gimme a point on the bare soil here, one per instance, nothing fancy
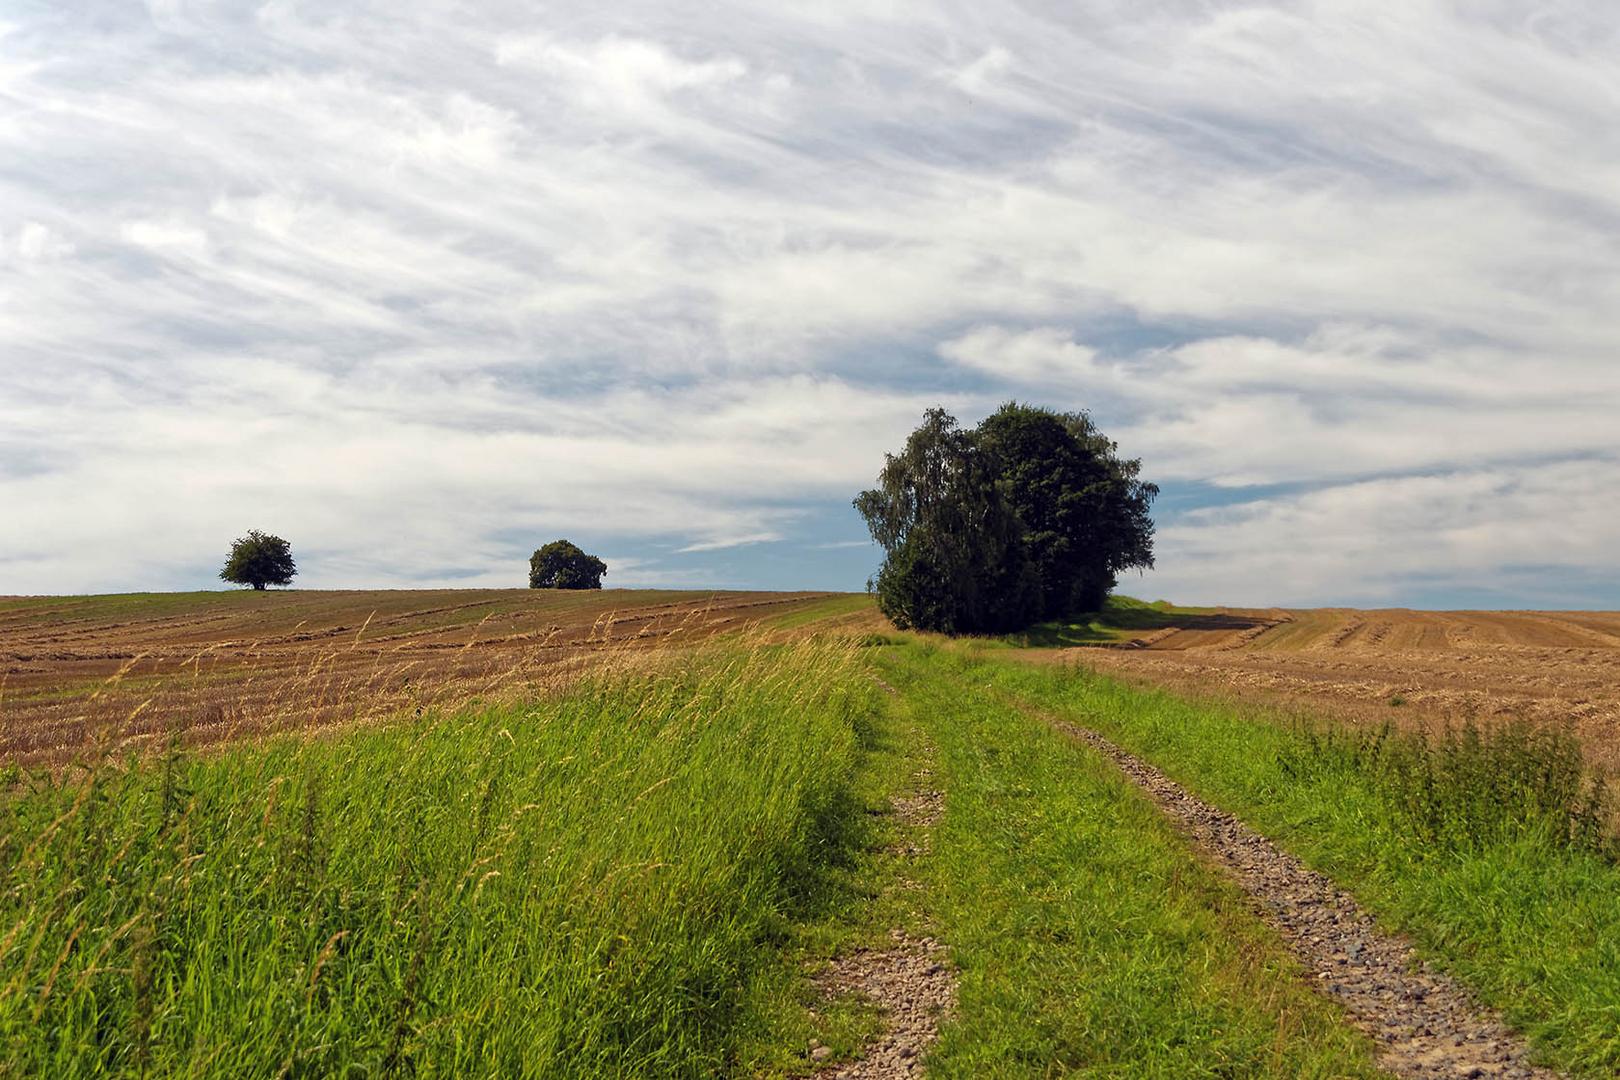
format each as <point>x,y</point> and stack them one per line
<point>120,673</point>
<point>1413,667</point>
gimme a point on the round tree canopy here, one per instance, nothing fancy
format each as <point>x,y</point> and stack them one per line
<point>259,559</point>
<point>562,565</point>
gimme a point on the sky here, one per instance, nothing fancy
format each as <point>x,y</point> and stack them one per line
<point>420,285</point>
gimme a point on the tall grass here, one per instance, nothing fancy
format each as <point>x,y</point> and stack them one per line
<point>580,887</point>
<point>1490,847</point>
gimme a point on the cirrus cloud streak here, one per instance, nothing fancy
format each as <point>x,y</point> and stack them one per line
<point>419,284</point>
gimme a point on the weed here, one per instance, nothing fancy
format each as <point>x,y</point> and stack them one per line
<point>1474,786</point>
<point>1470,785</point>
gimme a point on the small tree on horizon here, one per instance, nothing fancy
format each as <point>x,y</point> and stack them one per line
<point>259,559</point>
<point>562,565</point>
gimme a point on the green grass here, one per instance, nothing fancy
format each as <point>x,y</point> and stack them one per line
<point>633,879</point>
<point>272,610</point>
<point>596,885</point>
<point>637,877</point>
<point>1472,848</point>
<point>858,899</point>
<point>1091,940</point>
<point>51,609</point>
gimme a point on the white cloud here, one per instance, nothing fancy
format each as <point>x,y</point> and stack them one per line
<point>37,242</point>
<point>166,238</point>
<point>980,76</point>
<point>1045,357</point>
<point>380,491</point>
<point>623,78</point>
<point>721,543</point>
<point>627,69</point>
<point>1343,401</point>
<point>686,272</point>
<point>1376,542</point>
<point>166,12</point>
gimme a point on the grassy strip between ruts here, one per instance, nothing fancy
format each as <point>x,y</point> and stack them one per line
<point>1529,920</point>
<point>1091,939</point>
<point>821,611</point>
<point>596,884</point>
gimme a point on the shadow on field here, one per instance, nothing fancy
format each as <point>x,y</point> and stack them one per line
<point>1119,624</point>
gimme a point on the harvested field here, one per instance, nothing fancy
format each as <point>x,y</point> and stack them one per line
<point>117,673</point>
<point>1426,666</point>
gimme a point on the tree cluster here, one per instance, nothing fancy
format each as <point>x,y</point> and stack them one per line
<point>562,565</point>
<point>1029,516</point>
<point>259,559</point>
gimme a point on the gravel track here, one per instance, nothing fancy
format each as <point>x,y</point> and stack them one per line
<point>1424,1024</point>
<point>911,980</point>
<point>914,986</point>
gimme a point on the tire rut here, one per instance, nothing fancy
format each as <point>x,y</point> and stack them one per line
<point>1424,1023</point>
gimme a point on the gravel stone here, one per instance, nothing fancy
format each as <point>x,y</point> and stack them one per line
<point>911,981</point>
<point>914,989</point>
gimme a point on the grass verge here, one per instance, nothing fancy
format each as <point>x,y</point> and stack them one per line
<point>821,611</point>
<point>1479,846</point>
<point>595,885</point>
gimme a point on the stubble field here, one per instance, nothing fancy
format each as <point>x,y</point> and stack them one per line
<point>1367,666</point>
<point>121,672</point>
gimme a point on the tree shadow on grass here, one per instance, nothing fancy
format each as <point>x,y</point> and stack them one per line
<point>1121,621</point>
